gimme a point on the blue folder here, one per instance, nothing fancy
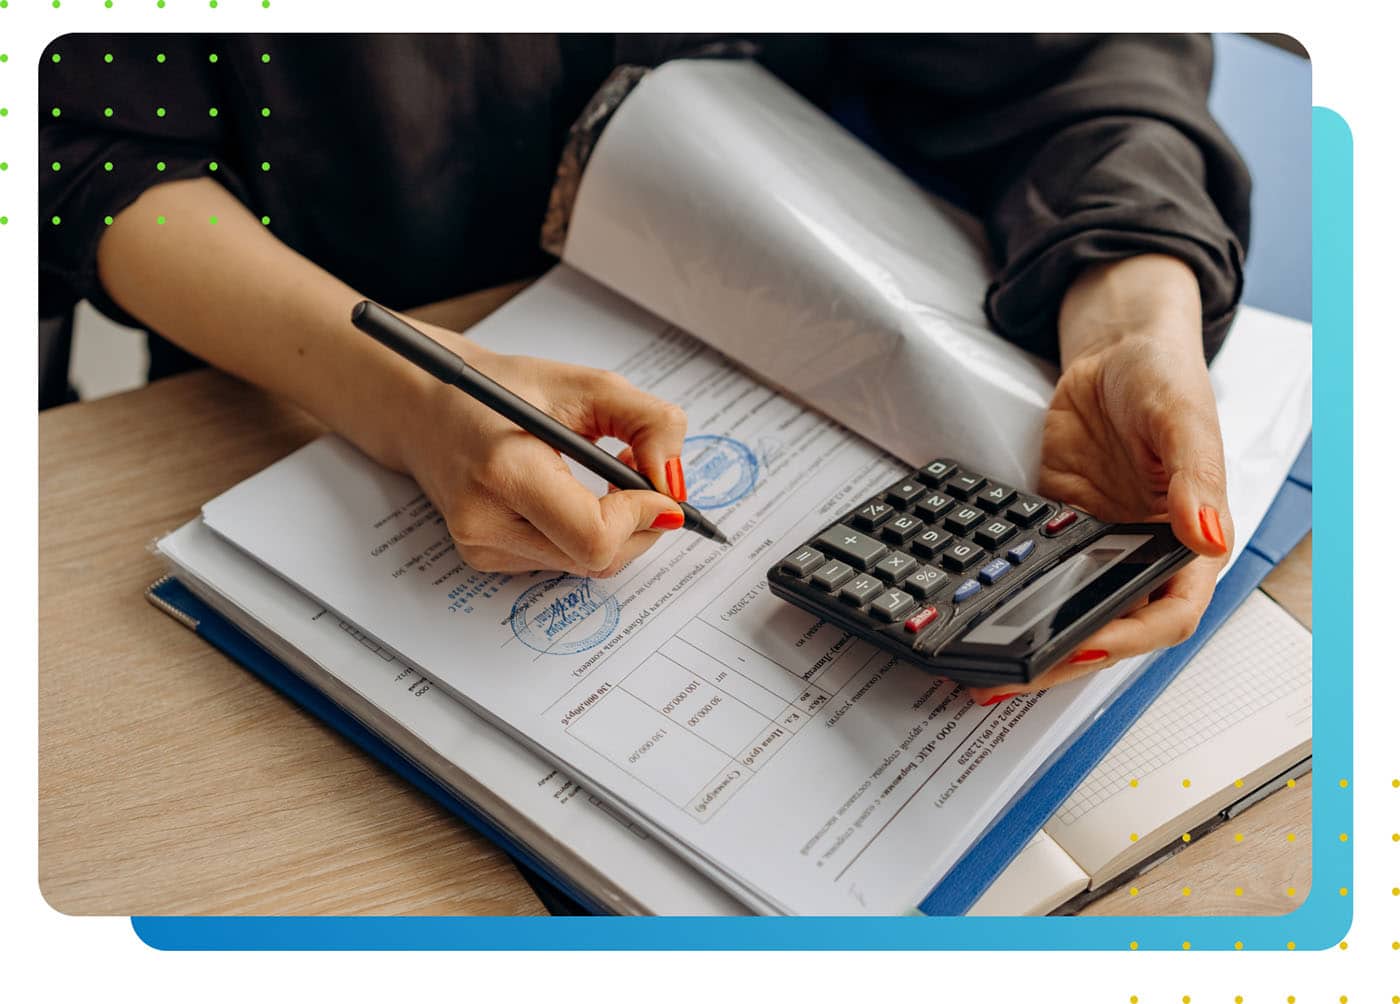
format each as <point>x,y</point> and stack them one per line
<point>1285,524</point>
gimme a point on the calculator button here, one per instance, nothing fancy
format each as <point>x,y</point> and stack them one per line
<point>894,568</point>
<point>926,581</point>
<point>1026,510</point>
<point>936,471</point>
<point>931,541</point>
<point>995,496</point>
<point>967,591</point>
<point>860,589</point>
<point>994,570</point>
<point>803,561</point>
<point>892,605</point>
<point>932,505</point>
<point>831,575</point>
<point>1021,552</point>
<point>964,518</point>
<point>962,556</point>
<point>872,514</point>
<point>904,493</point>
<point>851,545</point>
<point>921,620</point>
<point>901,528</point>
<point>964,485</point>
<point>994,533</point>
<point>1060,522</point>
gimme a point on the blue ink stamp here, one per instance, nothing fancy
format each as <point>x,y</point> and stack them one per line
<point>564,615</point>
<point>719,471</point>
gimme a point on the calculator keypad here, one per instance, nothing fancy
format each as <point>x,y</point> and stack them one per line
<point>929,546</point>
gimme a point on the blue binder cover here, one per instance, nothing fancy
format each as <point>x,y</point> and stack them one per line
<point>1287,521</point>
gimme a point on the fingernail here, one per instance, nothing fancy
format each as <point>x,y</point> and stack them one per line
<point>675,479</point>
<point>996,700</point>
<point>1088,655</point>
<point>672,519</point>
<point>1210,526</point>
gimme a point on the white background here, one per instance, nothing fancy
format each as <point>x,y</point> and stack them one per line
<point>56,957</point>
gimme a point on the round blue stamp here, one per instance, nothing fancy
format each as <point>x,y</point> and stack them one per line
<point>719,471</point>
<point>564,615</point>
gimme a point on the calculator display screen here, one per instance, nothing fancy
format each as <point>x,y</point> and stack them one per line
<point>1058,598</point>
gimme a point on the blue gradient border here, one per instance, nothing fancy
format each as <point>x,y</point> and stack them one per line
<point>1320,922</point>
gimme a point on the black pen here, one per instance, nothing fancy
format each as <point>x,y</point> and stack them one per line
<point>440,361</point>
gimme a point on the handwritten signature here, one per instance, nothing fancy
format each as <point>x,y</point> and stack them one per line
<point>564,611</point>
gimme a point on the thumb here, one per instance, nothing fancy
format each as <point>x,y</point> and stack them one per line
<point>1197,503</point>
<point>629,512</point>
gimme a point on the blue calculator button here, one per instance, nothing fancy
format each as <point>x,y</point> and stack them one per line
<point>994,570</point>
<point>967,590</point>
<point>1021,551</point>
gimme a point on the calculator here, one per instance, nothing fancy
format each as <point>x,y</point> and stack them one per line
<point>971,578</point>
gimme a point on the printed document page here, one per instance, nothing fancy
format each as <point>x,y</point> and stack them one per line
<point>560,820</point>
<point>806,772</point>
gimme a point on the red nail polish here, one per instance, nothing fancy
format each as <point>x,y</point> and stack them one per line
<point>675,479</point>
<point>1089,655</point>
<point>670,520</point>
<point>1210,526</point>
<point>996,700</point>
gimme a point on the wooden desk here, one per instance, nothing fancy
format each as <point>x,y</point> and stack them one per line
<point>171,781</point>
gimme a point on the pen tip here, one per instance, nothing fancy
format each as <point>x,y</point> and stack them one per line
<point>719,536</point>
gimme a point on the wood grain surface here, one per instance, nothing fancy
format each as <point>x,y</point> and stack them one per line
<point>171,781</point>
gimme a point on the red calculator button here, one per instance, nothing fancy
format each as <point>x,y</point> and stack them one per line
<point>921,620</point>
<point>1062,520</point>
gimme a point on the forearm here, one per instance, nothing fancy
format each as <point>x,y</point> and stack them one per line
<point>1148,296</point>
<point>234,295</point>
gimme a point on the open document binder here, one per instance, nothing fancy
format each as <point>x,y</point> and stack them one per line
<point>584,675</point>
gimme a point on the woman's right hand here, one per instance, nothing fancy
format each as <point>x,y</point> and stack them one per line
<point>510,502</point>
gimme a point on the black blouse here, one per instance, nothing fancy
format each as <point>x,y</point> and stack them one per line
<point>417,167</point>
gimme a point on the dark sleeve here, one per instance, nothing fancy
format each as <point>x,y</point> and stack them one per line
<point>1074,150</point>
<point>132,112</point>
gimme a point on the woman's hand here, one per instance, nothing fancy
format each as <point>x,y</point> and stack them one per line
<point>510,502</point>
<point>1132,435</point>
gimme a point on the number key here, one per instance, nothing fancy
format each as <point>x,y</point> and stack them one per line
<point>965,485</point>
<point>963,519</point>
<point>932,505</point>
<point>994,496</point>
<point>994,533</point>
<point>1026,510</point>
<point>931,541</point>
<point>901,528</point>
<point>936,471</point>
<point>962,556</point>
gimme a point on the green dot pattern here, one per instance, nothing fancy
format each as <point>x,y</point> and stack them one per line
<point>4,166</point>
<point>57,58</point>
<point>4,219</point>
<point>266,220</point>
<point>4,112</point>
<point>107,112</point>
<point>56,113</point>
<point>56,221</point>
<point>160,220</point>
<point>107,58</point>
<point>160,57</point>
<point>56,166</point>
<point>213,220</point>
<point>266,166</point>
<point>107,166</point>
<point>213,113</point>
<point>213,165</point>
<point>107,220</point>
<point>266,112</point>
<point>265,58</point>
<point>160,165</point>
<point>213,57</point>
<point>160,113</point>
<point>107,4</point>
<point>160,4</point>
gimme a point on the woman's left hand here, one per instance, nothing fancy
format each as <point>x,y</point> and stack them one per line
<point>1132,435</point>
